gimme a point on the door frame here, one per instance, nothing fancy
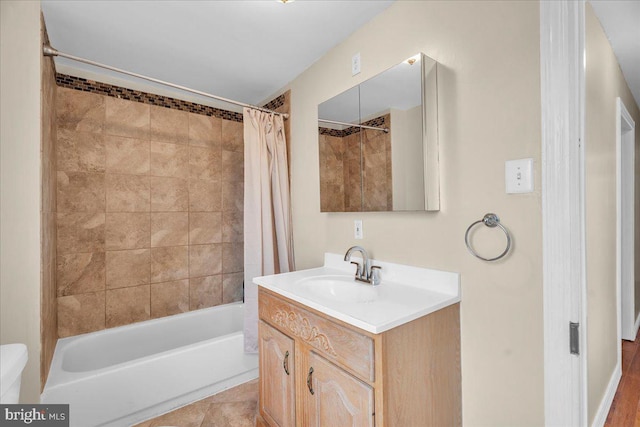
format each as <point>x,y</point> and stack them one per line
<point>562,83</point>
<point>625,292</point>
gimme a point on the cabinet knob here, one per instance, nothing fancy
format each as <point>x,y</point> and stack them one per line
<point>310,381</point>
<point>285,363</point>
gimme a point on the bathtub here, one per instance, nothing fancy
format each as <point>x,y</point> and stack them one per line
<point>124,375</point>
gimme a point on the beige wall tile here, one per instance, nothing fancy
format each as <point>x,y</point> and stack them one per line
<point>127,268</point>
<point>80,111</point>
<point>80,151</point>
<point>205,163</point>
<point>80,273</point>
<point>232,257</point>
<point>169,263</point>
<point>169,298</point>
<point>232,289</point>
<point>205,131</point>
<point>128,193</point>
<point>232,226</point>
<point>205,227</point>
<point>232,136</point>
<point>233,196</point>
<point>169,160</point>
<point>127,305</point>
<point>169,125</point>
<point>169,194</point>
<point>205,260</point>
<point>232,165</point>
<point>127,155</point>
<point>169,229</point>
<point>128,230</point>
<point>205,292</point>
<point>127,118</point>
<point>205,196</point>
<point>80,232</point>
<point>81,192</point>
<point>79,314</point>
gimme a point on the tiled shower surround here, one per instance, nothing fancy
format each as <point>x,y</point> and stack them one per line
<point>342,174</point>
<point>149,211</point>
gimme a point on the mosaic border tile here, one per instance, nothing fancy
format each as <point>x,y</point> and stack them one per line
<point>377,122</point>
<point>275,103</point>
<point>85,85</point>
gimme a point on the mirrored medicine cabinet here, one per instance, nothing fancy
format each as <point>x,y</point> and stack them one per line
<point>378,142</point>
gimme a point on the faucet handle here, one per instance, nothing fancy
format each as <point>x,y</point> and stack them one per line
<point>358,268</point>
<point>376,278</point>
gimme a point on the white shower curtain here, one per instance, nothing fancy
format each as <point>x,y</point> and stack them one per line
<point>268,241</point>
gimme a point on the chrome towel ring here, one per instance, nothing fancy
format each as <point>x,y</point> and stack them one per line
<point>490,220</point>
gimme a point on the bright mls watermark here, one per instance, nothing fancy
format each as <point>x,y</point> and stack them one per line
<point>34,415</point>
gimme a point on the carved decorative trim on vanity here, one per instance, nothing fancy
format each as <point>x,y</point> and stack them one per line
<point>301,327</point>
<point>345,347</point>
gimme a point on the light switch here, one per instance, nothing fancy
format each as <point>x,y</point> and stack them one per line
<point>519,176</point>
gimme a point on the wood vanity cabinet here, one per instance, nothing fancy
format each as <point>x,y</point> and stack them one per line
<point>316,370</point>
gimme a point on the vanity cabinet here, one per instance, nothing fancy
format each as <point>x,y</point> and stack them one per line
<point>339,375</point>
<point>277,373</point>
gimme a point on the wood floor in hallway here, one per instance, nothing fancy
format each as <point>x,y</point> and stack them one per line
<point>625,410</point>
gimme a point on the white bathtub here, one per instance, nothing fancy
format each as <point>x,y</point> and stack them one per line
<point>124,375</point>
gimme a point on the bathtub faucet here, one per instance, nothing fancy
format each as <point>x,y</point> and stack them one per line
<point>365,272</point>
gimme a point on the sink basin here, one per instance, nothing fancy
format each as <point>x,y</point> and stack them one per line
<point>339,289</point>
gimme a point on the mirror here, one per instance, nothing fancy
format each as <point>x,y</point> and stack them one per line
<point>378,142</point>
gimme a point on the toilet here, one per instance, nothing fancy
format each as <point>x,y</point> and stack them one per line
<point>13,358</point>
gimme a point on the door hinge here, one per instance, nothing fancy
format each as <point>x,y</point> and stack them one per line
<point>574,338</point>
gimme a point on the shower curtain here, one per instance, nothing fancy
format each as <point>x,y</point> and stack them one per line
<point>268,241</point>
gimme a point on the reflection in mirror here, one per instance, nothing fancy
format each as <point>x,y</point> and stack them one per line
<point>383,155</point>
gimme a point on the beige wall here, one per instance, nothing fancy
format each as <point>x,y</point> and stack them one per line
<point>604,83</point>
<point>490,113</point>
<point>20,54</point>
<point>149,211</point>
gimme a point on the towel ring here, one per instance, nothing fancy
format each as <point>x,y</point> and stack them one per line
<point>490,220</point>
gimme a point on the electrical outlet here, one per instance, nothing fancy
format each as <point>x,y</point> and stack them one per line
<point>357,229</point>
<point>355,64</point>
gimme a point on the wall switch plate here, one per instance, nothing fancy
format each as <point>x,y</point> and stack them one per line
<point>518,175</point>
<point>357,229</point>
<point>355,64</point>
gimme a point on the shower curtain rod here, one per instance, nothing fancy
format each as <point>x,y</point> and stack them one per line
<point>385,130</point>
<point>47,50</point>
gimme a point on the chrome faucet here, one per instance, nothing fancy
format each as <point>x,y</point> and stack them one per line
<point>365,272</point>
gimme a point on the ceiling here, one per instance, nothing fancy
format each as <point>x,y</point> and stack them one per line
<point>246,50</point>
<point>621,22</point>
<point>241,50</point>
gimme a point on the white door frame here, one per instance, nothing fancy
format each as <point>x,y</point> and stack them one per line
<point>562,64</point>
<point>625,198</point>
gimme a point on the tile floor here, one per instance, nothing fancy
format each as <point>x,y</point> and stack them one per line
<point>625,410</point>
<point>235,407</point>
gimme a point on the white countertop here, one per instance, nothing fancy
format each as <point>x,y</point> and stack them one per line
<point>405,293</point>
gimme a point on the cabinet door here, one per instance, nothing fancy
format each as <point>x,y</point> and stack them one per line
<point>277,389</point>
<point>335,398</point>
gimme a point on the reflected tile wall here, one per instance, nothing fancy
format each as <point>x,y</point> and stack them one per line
<point>149,211</point>
<point>355,169</point>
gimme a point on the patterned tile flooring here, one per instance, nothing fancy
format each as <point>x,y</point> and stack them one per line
<point>235,407</point>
